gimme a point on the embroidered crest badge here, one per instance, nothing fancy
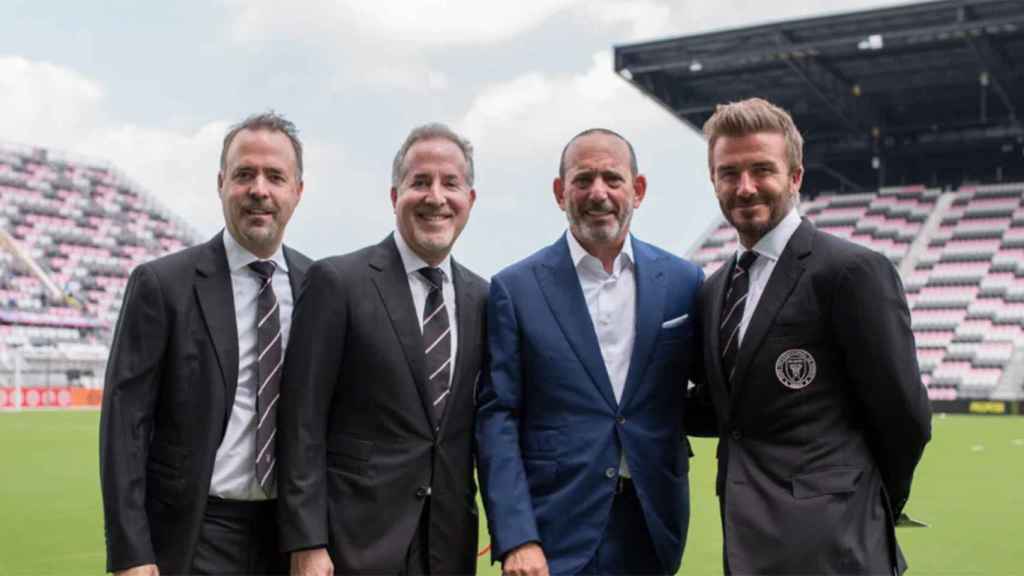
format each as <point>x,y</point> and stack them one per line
<point>795,368</point>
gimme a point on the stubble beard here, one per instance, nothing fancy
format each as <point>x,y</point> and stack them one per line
<point>599,233</point>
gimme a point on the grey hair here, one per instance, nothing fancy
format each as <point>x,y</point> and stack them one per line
<point>632,154</point>
<point>268,120</point>
<point>432,131</point>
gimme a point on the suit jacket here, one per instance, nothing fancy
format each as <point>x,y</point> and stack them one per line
<point>361,454</point>
<point>170,387</point>
<point>827,418</point>
<point>550,433</point>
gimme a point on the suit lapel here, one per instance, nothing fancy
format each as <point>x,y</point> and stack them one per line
<point>297,266</point>
<point>561,288</point>
<point>714,290</point>
<point>783,279</point>
<point>467,316</point>
<point>650,298</point>
<point>217,305</point>
<point>393,285</point>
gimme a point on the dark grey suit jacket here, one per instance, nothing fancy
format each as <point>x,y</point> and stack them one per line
<point>827,419</point>
<point>360,452</point>
<point>170,387</point>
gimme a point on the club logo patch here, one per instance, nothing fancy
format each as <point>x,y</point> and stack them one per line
<point>795,368</point>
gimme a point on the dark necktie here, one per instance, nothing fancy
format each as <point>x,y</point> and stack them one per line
<point>268,374</point>
<point>732,313</point>
<point>437,342</point>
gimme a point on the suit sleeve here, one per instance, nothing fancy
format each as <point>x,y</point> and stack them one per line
<point>506,494</point>
<point>312,369</point>
<point>131,389</point>
<point>700,418</point>
<point>873,328</point>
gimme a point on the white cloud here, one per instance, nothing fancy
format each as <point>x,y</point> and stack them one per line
<point>644,19</point>
<point>45,104</point>
<point>416,24</point>
<point>540,112</point>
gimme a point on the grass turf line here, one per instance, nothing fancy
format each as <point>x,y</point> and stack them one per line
<point>967,488</point>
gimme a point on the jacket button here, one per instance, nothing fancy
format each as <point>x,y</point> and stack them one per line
<point>621,419</point>
<point>610,472</point>
<point>736,435</point>
<point>423,491</point>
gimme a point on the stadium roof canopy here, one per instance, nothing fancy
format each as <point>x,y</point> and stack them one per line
<point>929,93</point>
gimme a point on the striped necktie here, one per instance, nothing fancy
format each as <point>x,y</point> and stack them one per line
<point>437,342</point>
<point>732,313</point>
<point>268,373</point>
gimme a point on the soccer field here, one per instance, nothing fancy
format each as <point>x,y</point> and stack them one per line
<point>969,489</point>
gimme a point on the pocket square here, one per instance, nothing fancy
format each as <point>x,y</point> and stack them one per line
<point>675,321</point>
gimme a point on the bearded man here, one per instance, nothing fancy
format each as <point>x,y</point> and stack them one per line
<point>811,367</point>
<point>580,430</point>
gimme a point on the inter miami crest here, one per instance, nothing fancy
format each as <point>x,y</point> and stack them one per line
<point>795,368</point>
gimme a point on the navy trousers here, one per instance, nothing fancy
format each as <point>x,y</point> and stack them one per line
<point>626,547</point>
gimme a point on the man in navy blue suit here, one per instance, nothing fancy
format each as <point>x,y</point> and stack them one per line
<point>583,459</point>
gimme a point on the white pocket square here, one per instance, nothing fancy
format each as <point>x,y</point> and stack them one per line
<point>675,321</point>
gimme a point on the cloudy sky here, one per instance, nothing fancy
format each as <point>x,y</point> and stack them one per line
<point>151,88</point>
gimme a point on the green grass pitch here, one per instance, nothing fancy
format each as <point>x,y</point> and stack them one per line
<point>969,488</point>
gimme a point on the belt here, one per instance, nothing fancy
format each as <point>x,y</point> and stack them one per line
<point>244,509</point>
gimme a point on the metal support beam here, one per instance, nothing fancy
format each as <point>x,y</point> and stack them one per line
<point>833,90</point>
<point>994,64</point>
<point>990,60</point>
<point>682,56</point>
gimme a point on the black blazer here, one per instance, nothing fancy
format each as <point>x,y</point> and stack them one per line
<point>170,386</point>
<point>359,448</point>
<point>828,416</point>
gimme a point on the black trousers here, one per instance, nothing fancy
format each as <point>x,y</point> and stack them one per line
<point>239,538</point>
<point>417,559</point>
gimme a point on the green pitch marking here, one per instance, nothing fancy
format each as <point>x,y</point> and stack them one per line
<point>52,521</point>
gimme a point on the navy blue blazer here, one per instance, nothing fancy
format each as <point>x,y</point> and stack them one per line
<point>549,431</point>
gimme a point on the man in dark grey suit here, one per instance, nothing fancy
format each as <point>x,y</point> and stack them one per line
<point>187,458</point>
<point>811,366</point>
<point>378,400</point>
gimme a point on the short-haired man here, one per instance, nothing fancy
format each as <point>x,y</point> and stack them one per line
<point>583,462</point>
<point>811,366</point>
<point>187,458</point>
<point>378,405</point>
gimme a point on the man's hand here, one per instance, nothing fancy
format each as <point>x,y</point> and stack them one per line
<point>526,560</point>
<point>143,570</point>
<point>315,562</point>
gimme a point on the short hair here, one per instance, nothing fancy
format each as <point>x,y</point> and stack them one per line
<point>607,132</point>
<point>268,120</point>
<point>749,117</point>
<point>432,131</point>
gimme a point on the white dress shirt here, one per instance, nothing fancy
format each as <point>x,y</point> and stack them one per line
<point>611,301</point>
<point>234,468</point>
<point>769,249</point>
<point>420,288</point>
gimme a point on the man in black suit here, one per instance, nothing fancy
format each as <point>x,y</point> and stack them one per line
<point>811,366</point>
<point>377,406</point>
<point>187,461</point>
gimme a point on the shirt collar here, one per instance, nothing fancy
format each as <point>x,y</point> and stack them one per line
<point>239,257</point>
<point>578,253</point>
<point>412,261</point>
<point>774,242</point>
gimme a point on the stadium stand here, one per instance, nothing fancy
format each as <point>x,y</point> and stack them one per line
<point>71,231</point>
<point>965,285</point>
<point>922,93</point>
